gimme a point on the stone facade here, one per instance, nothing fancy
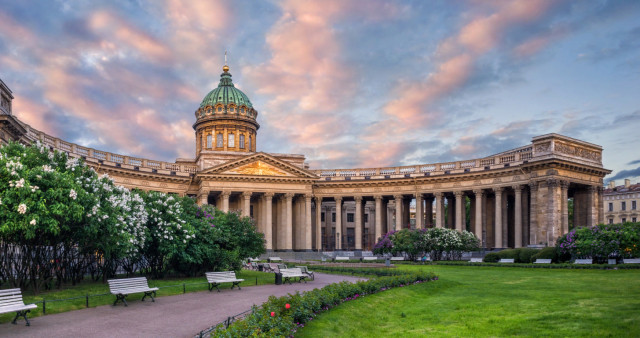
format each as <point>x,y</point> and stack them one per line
<point>517,197</point>
<point>621,203</point>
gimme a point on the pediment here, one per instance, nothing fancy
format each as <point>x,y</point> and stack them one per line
<point>259,164</point>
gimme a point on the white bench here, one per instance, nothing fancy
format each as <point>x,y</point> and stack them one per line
<point>287,274</point>
<point>542,261</point>
<point>341,258</point>
<point>397,258</point>
<point>215,279</point>
<point>11,300</point>
<point>475,260</point>
<point>583,261</point>
<point>506,260</point>
<point>121,288</point>
<point>306,271</point>
<point>631,260</point>
<point>274,259</point>
<point>370,258</point>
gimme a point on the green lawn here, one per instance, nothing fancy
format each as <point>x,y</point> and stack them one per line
<point>169,286</point>
<point>484,301</point>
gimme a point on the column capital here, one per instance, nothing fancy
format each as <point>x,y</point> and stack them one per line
<point>497,190</point>
<point>318,199</point>
<point>289,195</point>
<point>358,199</point>
<point>377,197</point>
<point>246,194</point>
<point>517,188</point>
<point>307,197</point>
<point>338,199</point>
<point>478,192</point>
<point>437,194</point>
<point>398,196</point>
<point>592,188</point>
<point>268,195</point>
<point>458,193</point>
<point>419,196</point>
<point>225,193</point>
<point>533,186</point>
<point>564,184</point>
<point>552,183</point>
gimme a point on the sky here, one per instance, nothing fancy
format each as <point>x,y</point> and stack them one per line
<point>347,83</point>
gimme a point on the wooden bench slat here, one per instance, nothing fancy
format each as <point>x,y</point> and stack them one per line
<point>11,301</point>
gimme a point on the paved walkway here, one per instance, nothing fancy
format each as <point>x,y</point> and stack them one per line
<point>172,316</point>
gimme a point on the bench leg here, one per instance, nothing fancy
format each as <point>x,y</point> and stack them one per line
<point>21,314</point>
<point>236,284</point>
<point>212,285</point>
<point>122,298</point>
<point>150,294</point>
<point>303,278</point>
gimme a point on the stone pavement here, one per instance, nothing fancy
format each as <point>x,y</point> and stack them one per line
<point>172,316</point>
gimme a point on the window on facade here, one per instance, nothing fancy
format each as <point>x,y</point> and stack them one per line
<point>232,109</point>
<point>322,217</point>
<point>241,141</point>
<point>219,109</point>
<point>633,219</point>
<point>624,220</point>
<point>623,205</point>
<point>610,206</point>
<point>366,218</point>
<point>250,142</point>
<point>349,217</point>
<point>333,217</point>
<point>232,140</point>
<point>610,220</point>
<point>219,141</point>
<point>209,140</point>
<point>633,205</point>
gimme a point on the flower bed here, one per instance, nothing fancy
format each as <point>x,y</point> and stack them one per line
<point>283,316</point>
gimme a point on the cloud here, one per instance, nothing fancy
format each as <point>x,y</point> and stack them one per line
<point>624,174</point>
<point>634,162</point>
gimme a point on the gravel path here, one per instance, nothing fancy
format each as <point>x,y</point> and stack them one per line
<point>172,316</point>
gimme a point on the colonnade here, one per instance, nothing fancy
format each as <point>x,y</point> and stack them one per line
<point>500,216</point>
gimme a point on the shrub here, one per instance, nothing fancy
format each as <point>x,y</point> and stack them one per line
<point>439,243</point>
<point>550,252</point>
<point>601,242</point>
<point>525,255</point>
<point>508,253</point>
<point>491,257</point>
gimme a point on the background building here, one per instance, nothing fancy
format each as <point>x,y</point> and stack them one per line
<point>621,202</point>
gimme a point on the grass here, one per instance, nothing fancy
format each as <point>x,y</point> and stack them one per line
<point>484,301</point>
<point>99,292</point>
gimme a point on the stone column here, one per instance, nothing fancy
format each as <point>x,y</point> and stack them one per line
<point>318,223</point>
<point>307,228</point>
<point>564,197</point>
<point>458,217</point>
<point>451,212</point>
<point>288,222</point>
<point>498,218</point>
<point>525,218</point>
<point>419,211</point>
<point>378,227</point>
<point>477,227</point>
<point>517,227</point>
<point>591,219</point>
<point>225,200</point>
<point>358,232</point>
<point>203,199</point>
<point>553,217</point>
<point>339,244</point>
<point>600,206</point>
<point>268,220</point>
<point>428,210</point>
<point>439,213</point>
<point>246,207</point>
<point>533,214</point>
<point>398,200</point>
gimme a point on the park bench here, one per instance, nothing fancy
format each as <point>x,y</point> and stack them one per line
<point>11,300</point>
<point>121,288</point>
<point>583,261</point>
<point>542,261</point>
<point>305,270</point>
<point>397,258</point>
<point>631,260</point>
<point>370,258</point>
<point>475,260</point>
<point>216,279</point>
<point>287,274</point>
<point>281,266</point>
<point>506,260</point>
<point>341,258</point>
<point>274,259</point>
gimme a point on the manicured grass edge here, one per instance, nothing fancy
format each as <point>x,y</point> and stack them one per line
<point>282,316</point>
<point>545,266</point>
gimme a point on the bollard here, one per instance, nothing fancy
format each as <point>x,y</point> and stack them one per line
<point>184,288</point>
<point>256,280</point>
<point>44,306</point>
<point>87,300</point>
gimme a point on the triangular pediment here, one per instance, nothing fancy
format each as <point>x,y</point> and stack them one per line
<point>259,164</point>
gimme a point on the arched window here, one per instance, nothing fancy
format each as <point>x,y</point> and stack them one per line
<point>209,140</point>
<point>232,109</point>
<point>232,141</point>
<point>219,109</point>
<point>219,141</point>
<point>250,142</point>
<point>241,141</point>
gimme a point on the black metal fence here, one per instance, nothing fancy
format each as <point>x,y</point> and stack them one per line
<point>225,324</point>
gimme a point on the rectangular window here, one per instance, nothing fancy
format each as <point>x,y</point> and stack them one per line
<point>249,142</point>
<point>209,140</point>
<point>322,217</point>
<point>634,219</point>
<point>366,218</point>
<point>624,220</point>
<point>350,217</point>
<point>633,205</point>
<point>623,205</point>
<point>241,141</point>
<point>219,141</point>
<point>610,206</point>
<point>232,141</point>
<point>333,217</point>
<point>610,220</point>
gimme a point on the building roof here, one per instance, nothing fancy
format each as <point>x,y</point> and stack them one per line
<point>226,93</point>
<point>622,189</point>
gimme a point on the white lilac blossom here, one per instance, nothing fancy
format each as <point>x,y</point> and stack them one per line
<point>33,222</point>
<point>22,208</point>
<point>73,194</point>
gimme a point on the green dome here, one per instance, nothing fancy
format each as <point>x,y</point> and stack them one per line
<point>226,93</point>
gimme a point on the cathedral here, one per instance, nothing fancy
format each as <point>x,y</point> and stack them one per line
<point>516,198</point>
